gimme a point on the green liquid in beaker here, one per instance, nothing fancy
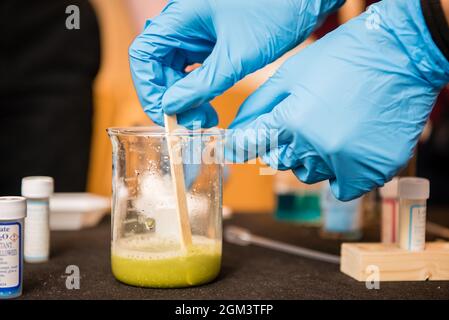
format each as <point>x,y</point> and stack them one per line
<point>146,261</point>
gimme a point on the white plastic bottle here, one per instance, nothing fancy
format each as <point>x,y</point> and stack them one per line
<point>390,212</point>
<point>12,214</point>
<point>37,190</point>
<point>413,195</point>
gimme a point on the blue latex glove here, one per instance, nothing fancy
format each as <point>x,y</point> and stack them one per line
<point>350,107</point>
<point>232,38</point>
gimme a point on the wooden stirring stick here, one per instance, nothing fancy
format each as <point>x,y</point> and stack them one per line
<point>177,175</point>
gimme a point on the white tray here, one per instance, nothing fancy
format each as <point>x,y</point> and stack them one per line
<point>75,211</point>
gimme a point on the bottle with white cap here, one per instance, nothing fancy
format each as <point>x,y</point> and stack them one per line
<point>390,212</point>
<point>37,190</point>
<point>12,215</point>
<point>413,195</point>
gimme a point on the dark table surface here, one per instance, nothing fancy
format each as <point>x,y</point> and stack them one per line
<point>249,272</point>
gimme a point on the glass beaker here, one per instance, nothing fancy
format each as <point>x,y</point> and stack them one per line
<point>146,248</point>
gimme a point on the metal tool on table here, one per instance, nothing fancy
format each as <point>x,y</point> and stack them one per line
<point>437,230</point>
<point>244,237</point>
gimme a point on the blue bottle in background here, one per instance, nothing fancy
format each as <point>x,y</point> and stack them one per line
<point>341,220</point>
<point>295,201</point>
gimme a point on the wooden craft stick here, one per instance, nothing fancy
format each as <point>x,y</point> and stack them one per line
<point>177,175</point>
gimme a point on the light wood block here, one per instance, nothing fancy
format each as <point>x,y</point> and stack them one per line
<point>394,263</point>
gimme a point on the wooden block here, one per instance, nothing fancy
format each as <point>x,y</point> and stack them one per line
<point>394,263</point>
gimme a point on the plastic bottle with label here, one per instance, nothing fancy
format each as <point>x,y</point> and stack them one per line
<point>12,215</point>
<point>413,195</point>
<point>37,190</point>
<point>390,212</point>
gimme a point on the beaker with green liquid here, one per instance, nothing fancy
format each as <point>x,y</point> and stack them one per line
<point>146,247</point>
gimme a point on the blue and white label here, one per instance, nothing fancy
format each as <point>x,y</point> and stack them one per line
<point>10,246</point>
<point>37,231</point>
<point>417,228</point>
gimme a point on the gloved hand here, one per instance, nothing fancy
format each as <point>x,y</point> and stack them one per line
<point>232,38</point>
<point>350,107</point>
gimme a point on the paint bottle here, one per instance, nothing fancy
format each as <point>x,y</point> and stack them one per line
<point>390,212</point>
<point>12,215</point>
<point>37,191</point>
<point>413,195</point>
<point>296,201</point>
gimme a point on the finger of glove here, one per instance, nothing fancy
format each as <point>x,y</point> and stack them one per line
<point>203,84</point>
<point>159,55</point>
<point>176,37</point>
<point>265,133</point>
<point>262,101</point>
<point>203,116</point>
<point>150,79</point>
<point>313,170</point>
<point>299,156</point>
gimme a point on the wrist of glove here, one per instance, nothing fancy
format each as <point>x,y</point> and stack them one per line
<point>405,21</point>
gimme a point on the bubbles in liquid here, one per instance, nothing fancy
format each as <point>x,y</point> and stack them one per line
<point>158,262</point>
<point>150,247</point>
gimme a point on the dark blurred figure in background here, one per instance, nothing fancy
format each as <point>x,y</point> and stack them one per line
<point>433,152</point>
<point>47,73</point>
